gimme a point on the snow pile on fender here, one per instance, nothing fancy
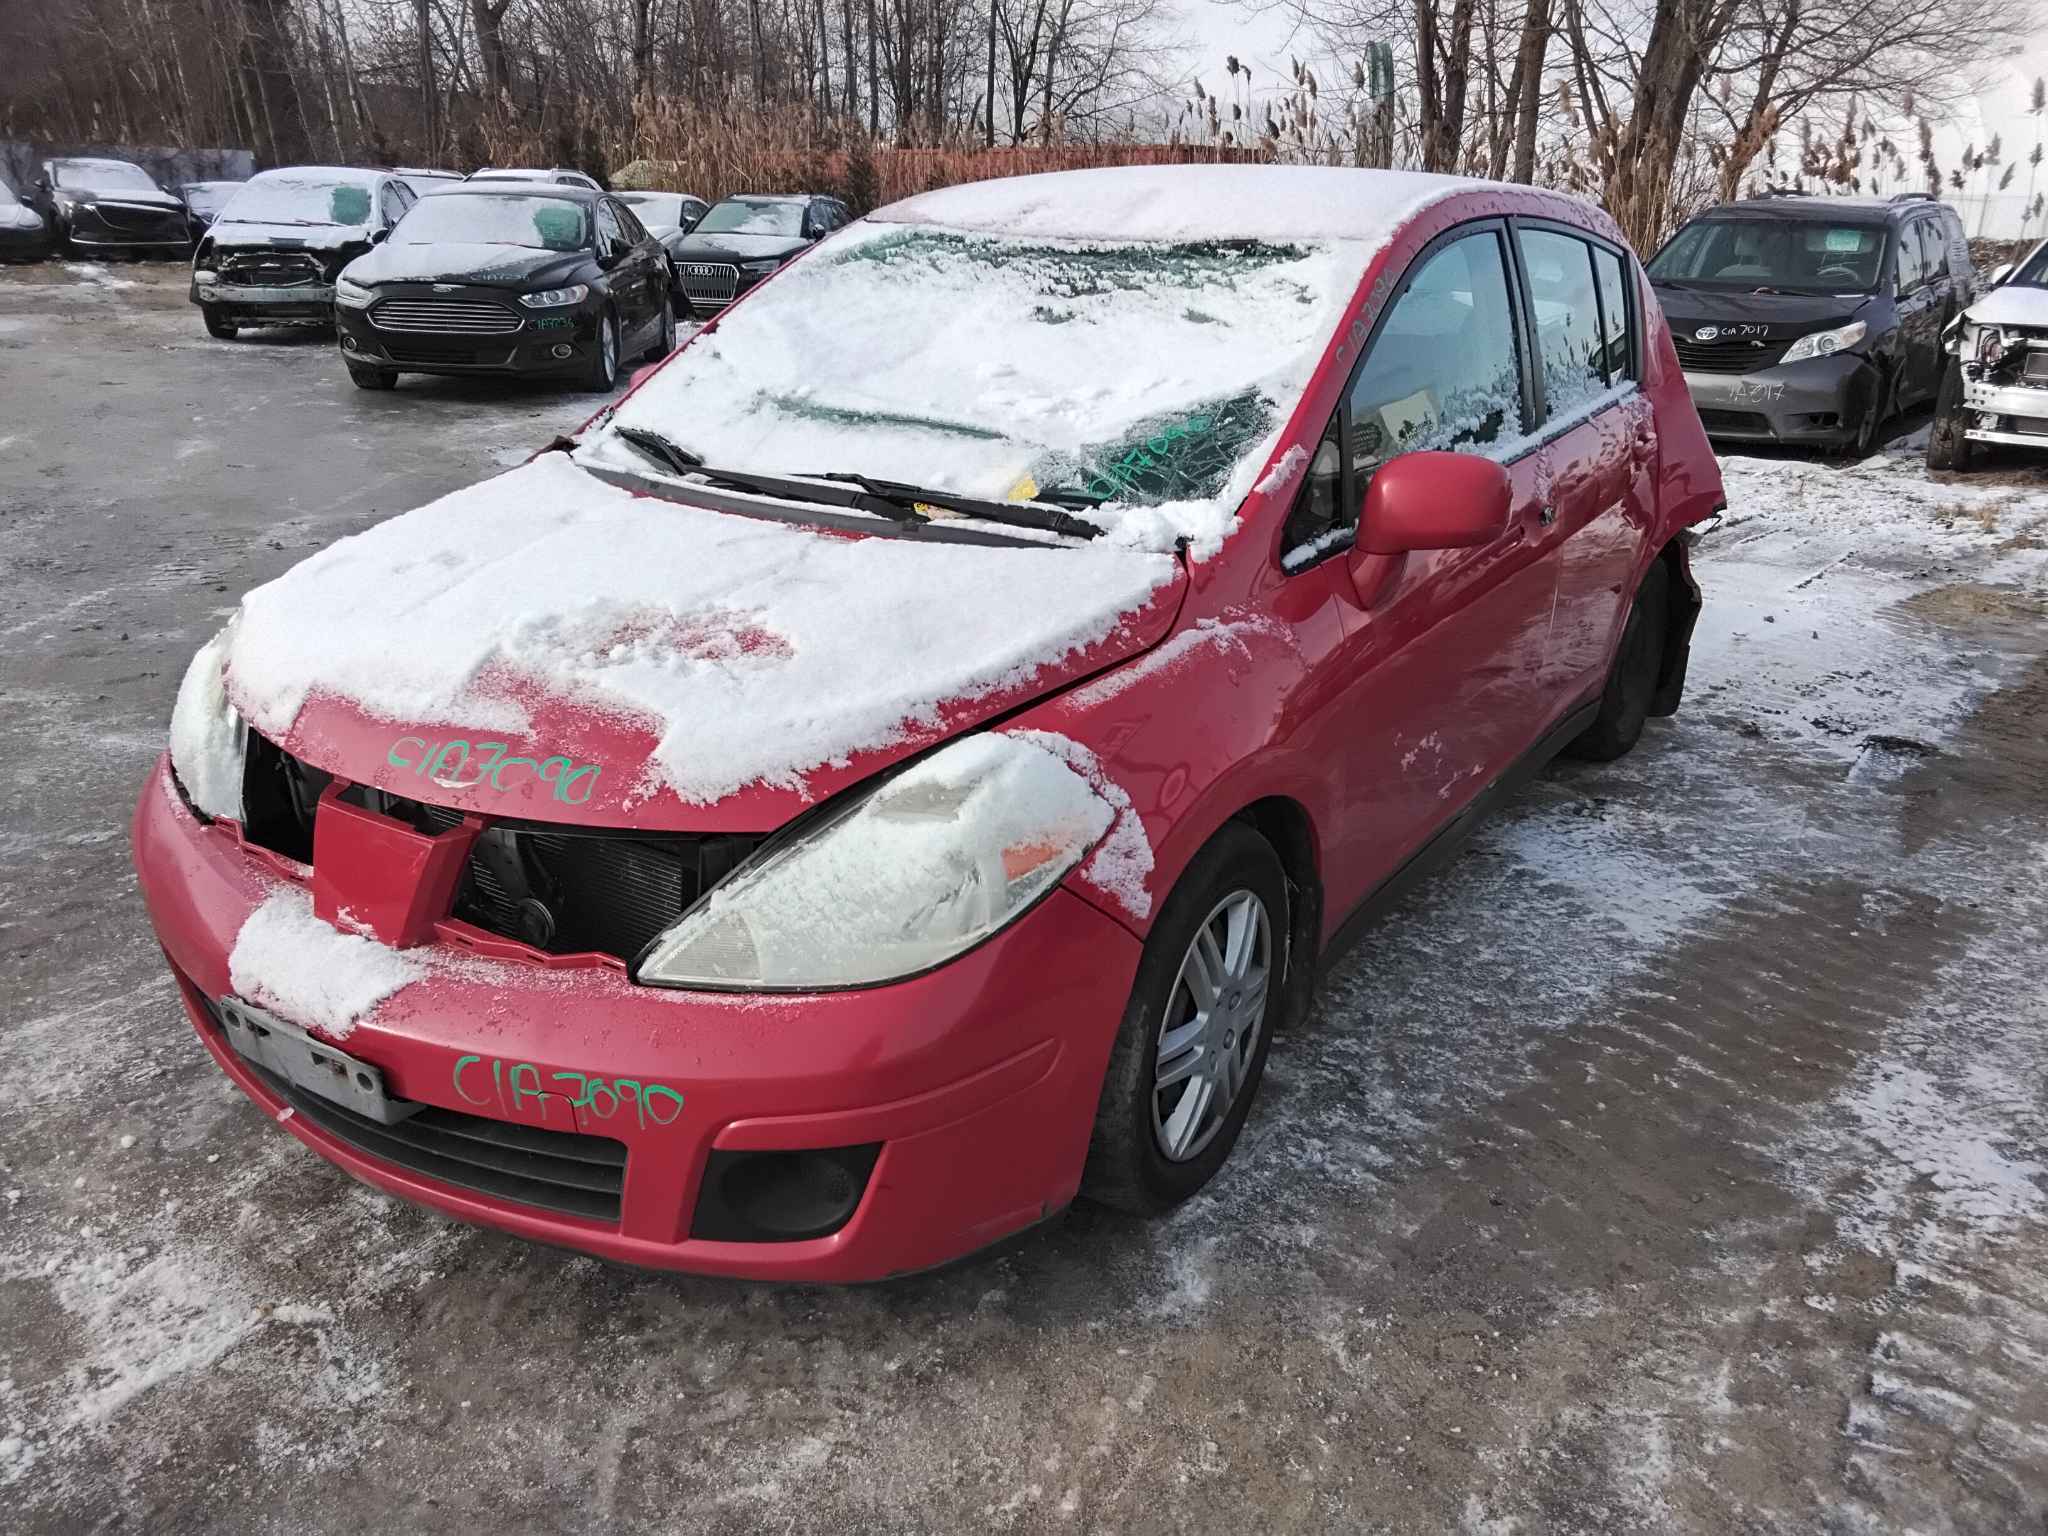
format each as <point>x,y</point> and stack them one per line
<point>206,747</point>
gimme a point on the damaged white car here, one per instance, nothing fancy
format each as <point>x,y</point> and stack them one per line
<point>1994,388</point>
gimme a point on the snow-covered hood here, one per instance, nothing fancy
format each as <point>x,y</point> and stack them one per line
<point>14,215</point>
<point>462,262</point>
<point>547,645</point>
<point>733,245</point>
<point>1781,314</point>
<point>2014,304</point>
<point>234,234</point>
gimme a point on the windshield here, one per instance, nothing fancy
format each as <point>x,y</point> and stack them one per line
<point>209,197</point>
<point>740,216</point>
<point>496,218</point>
<point>656,208</point>
<point>109,175</point>
<point>286,198</point>
<point>1805,255</point>
<point>1147,379</point>
<point>2033,272</point>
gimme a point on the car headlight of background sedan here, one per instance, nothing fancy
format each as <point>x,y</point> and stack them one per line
<point>1826,343</point>
<point>555,298</point>
<point>759,268</point>
<point>934,861</point>
<point>352,295</point>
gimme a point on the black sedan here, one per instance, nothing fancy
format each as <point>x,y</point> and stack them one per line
<point>498,277</point>
<point>109,205</point>
<point>743,239</point>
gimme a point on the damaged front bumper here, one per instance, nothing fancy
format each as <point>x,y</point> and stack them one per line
<point>1822,401</point>
<point>2006,409</point>
<point>953,1109</point>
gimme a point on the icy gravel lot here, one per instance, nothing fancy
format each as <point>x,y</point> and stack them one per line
<point>1677,1160</point>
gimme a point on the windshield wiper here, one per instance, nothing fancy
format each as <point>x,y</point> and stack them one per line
<point>1015,514</point>
<point>652,445</point>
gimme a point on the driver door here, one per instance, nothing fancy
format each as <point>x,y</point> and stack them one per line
<point>1919,311</point>
<point>1439,683</point>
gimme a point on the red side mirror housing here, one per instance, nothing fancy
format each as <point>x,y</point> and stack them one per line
<point>1433,500</point>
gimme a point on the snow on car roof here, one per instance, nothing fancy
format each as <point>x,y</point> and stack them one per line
<point>1185,202</point>
<point>318,175</point>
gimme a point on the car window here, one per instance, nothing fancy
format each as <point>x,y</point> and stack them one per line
<point>1567,315</point>
<point>609,232</point>
<point>635,231</point>
<point>389,208</point>
<point>1794,254</point>
<point>1444,371</point>
<point>1933,250</point>
<point>1909,262</point>
<point>1617,352</point>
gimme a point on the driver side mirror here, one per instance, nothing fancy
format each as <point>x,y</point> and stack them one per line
<point>2000,273</point>
<point>609,257</point>
<point>1433,500</point>
<point>377,235</point>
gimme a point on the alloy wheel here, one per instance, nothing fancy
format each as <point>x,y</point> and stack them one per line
<point>1211,1028</point>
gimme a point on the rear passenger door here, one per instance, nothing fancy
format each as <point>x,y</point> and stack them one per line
<point>1599,442</point>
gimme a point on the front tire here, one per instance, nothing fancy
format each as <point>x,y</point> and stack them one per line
<point>1947,448</point>
<point>1632,680</point>
<point>1882,403</point>
<point>1191,1050</point>
<point>219,329</point>
<point>665,340</point>
<point>603,370</point>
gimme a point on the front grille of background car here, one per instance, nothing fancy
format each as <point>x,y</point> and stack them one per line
<point>164,223</point>
<point>565,890</point>
<point>1728,356</point>
<point>270,269</point>
<point>448,317</point>
<point>708,282</point>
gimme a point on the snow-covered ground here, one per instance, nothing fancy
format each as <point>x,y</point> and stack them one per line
<point>1677,1159</point>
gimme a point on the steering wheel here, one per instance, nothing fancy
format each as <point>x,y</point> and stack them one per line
<point>1849,272</point>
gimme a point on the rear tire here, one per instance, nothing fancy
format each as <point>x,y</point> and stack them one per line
<point>665,340</point>
<point>1153,1145</point>
<point>372,378</point>
<point>223,330</point>
<point>1947,448</point>
<point>1632,680</point>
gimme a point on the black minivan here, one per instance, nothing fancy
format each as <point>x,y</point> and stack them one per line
<point>1811,320</point>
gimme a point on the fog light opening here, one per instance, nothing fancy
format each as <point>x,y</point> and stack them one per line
<point>562,349</point>
<point>348,343</point>
<point>781,1197</point>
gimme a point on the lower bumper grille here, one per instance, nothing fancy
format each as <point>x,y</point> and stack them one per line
<point>709,282</point>
<point>268,269</point>
<point>429,352</point>
<point>1746,422</point>
<point>563,1171</point>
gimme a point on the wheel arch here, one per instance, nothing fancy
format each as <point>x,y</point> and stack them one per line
<point>1681,613</point>
<point>1285,824</point>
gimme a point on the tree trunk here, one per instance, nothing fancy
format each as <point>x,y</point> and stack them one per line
<point>1526,96</point>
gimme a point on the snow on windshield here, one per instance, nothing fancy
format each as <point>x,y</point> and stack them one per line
<point>1150,378</point>
<point>737,216</point>
<point>298,197</point>
<point>102,175</point>
<point>495,218</point>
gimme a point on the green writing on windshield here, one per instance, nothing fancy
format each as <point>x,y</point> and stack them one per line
<point>456,764</point>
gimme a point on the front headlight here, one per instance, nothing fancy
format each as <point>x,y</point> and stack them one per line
<point>760,267</point>
<point>207,735</point>
<point>1826,343</point>
<point>204,276</point>
<point>1990,347</point>
<point>554,298</point>
<point>352,295</point>
<point>936,860</point>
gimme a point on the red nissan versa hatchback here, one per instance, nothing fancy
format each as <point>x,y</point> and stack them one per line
<point>895,770</point>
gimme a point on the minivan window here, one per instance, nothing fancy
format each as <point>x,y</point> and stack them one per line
<point>1933,249</point>
<point>1911,268</point>
<point>1617,352</point>
<point>1443,372</point>
<point>1567,313</point>
<point>1795,255</point>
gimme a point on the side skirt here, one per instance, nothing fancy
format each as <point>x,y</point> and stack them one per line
<point>1447,840</point>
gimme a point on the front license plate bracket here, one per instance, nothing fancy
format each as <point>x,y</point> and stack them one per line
<point>312,1065</point>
